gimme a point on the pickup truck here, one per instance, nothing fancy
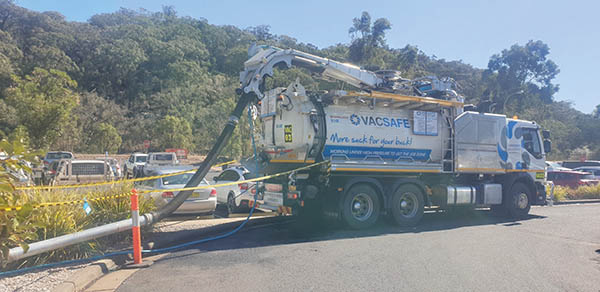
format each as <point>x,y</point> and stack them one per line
<point>158,160</point>
<point>135,162</point>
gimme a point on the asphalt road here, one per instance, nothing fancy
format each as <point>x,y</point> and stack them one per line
<point>555,249</point>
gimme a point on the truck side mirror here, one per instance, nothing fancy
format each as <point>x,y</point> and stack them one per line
<point>547,146</point>
<point>546,134</point>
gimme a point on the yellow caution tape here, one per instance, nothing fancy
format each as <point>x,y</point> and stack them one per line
<point>115,181</point>
<point>16,208</point>
<point>237,182</point>
<point>53,204</point>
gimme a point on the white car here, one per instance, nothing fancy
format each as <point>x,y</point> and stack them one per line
<point>202,201</point>
<point>237,197</point>
<point>135,162</point>
<point>555,166</point>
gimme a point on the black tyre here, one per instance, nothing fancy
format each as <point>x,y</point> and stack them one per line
<point>407,205</point>
<point>361,206</point>
<point>231,207</point>
<point>517,201</point>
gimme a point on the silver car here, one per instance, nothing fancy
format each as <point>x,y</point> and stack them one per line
<point>202,201</point>
<point>594,170</point>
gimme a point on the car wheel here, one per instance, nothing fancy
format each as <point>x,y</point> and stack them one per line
<point>361,207</point>
<point>231,207</point>
<point>407,205</point>
<point>517,202</point>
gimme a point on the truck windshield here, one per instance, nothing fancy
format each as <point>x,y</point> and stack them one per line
<point>531,142</point>
<point>141,159</point>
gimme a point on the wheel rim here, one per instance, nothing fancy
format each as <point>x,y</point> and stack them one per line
<point>362,207</point>
<point>522,200</point>
<point>230,203</point>
<point>408,205</point>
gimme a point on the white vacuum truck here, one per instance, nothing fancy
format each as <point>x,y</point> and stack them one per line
<point>394,146</point>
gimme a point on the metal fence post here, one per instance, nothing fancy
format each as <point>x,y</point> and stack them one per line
<point>135,228</point>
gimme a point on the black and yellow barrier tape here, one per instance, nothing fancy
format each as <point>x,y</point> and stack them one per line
<point>54,204</point>
<point>114,181</point>
<point>17,208</point>
<point>238,182</point>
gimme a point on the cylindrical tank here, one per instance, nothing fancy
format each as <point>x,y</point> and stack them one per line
<point>297,128</point>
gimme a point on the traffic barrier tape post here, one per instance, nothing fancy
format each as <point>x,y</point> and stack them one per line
<point>135,228</point>
<point>114,181</point>
<point>17,208</point>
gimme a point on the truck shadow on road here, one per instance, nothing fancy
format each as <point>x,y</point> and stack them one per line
<point>294,232</point>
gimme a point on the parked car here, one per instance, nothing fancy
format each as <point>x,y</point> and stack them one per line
<point>73,171</point>
<point>554,166</point>
<point>238,196</point>
<point>575,164</point>
<point>114,165</point>
<point>56,155</point>
<point>202,201</point>
<point>572,178</point>
<point>135,162</point>
<point>594,170</point>
<point>157,161</point>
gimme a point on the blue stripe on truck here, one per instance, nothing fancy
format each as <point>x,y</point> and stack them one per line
<point>385,153</point>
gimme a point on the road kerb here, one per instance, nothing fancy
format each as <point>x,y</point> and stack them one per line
<point>86,276</point>
<point>571,202</point>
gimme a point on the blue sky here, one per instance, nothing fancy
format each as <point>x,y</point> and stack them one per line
<point>471,31</point>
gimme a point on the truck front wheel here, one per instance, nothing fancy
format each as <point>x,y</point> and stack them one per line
<point>361,206</point>
<point>517,203</point>
<point>407,205</point>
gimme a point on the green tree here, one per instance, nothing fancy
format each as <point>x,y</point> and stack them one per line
<point>43,102</point>
<point>596,112</point>
<point>363,47</point>
<point>104,138</point>
<point>522,73</point>
<point>172,132</point>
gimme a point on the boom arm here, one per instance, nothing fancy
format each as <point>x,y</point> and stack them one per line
<point>266,57</point>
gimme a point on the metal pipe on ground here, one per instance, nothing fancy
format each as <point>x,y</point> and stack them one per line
<point>39,247</point>
<point>36,248</point>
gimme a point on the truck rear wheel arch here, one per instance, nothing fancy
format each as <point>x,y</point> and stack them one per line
<point>374,183</point>
<point>403,181</point>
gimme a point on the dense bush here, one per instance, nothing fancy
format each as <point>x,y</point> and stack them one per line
<point>583,192</point>
<point>29,225</point>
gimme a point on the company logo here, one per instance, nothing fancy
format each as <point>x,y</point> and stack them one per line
<point>379,121</point>
<point>355,120</point>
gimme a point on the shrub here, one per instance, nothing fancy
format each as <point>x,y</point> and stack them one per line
<point>52,221</point>
<point>584,192</point>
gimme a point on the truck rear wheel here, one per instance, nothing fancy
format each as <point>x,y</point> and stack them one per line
<point>517,203</point>
<point>407,205</point>
<point>361,206</point>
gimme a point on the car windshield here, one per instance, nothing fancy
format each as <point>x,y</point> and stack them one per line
<point>58,155</point>
<point>553,164</point>
<point>179,179</point>
<point>588,176</point>
<point>141,158</point>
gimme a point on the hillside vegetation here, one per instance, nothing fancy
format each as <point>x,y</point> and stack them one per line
<point>121,78</point>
